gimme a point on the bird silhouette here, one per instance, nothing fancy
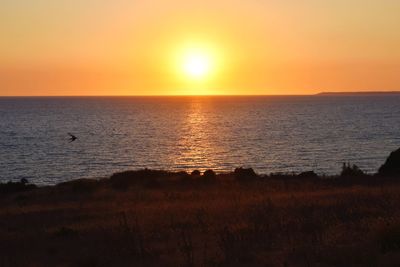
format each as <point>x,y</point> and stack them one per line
<point>73,137</point>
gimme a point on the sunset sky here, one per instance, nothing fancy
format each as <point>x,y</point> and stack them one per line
<point>125,47</point>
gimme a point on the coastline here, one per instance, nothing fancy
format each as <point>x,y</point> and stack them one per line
<point>159,218</point>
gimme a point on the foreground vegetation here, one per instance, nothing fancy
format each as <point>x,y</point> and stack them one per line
<point>157,218</point>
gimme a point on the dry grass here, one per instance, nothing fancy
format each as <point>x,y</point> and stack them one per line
<point>180,220</point>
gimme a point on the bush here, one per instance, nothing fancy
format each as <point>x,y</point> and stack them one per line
<point>209,176</point>
<point>80,185</point>
<point>308,175</point>
<point>13,187</point>
<point>196,173</point>
<point>146,178</point>
<point>245,175</point>
<point>351,171</point>
<point>182,174</point>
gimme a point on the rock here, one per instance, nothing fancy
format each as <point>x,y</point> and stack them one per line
<point>392,164</point>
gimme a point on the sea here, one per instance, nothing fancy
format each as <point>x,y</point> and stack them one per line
<point>270,134</point>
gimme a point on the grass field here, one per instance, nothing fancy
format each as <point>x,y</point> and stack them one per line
<point>156,218</point>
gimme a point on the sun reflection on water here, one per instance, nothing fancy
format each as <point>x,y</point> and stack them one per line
<point>195,146</point>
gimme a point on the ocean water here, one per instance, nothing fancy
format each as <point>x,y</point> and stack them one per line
<point>269,134</point>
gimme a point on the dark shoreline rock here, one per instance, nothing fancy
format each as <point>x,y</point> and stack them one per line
<point>392,165</point>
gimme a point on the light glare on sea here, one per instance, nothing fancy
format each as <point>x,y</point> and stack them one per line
<point>269,134</point>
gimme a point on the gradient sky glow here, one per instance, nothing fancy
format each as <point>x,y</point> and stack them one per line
<point>124,47</point>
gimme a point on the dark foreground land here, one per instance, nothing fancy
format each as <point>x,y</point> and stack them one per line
<point>157,218</point>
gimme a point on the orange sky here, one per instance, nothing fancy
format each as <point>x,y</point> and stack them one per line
<point>101,47</point>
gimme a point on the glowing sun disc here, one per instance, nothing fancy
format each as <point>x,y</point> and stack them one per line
<point>196,65</point>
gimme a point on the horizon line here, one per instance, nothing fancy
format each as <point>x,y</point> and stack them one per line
<point>166,95</point>
<point>215,95</point>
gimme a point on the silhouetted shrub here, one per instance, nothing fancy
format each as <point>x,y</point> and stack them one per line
<point>209,176</point>
<point>245,175</point>
<point>182,174</point>
<point>392,164</point>
<point>146,178</point>
<point>308,175</point>
<point>13,187</point>
<point>196,173</point>
<point>351,171</point>
<point>80,185</point>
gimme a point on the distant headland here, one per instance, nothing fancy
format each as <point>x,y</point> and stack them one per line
<point>359,93</point>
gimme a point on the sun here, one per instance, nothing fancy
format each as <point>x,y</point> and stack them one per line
<point>196,65</point>
<point>197,62</point>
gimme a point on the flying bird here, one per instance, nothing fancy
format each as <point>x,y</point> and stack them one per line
<point>73,137</point>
